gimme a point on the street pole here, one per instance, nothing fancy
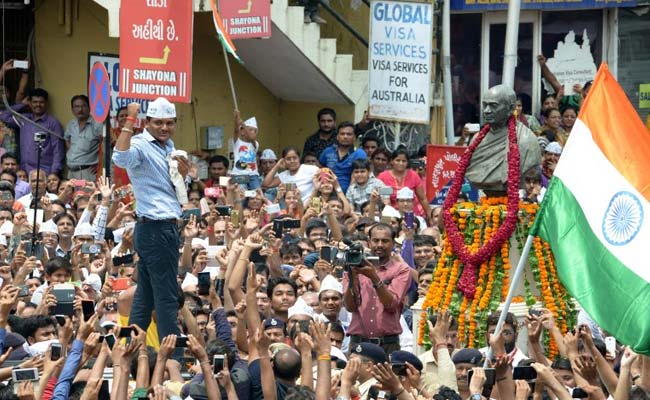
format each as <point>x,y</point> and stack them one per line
<point>510,48</point>
<point>446,73</point>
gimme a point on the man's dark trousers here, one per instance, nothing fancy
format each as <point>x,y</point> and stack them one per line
<point>156,243</point>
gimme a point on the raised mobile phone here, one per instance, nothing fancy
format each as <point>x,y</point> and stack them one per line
<point>212,192</point>
<point>204,283</point>
<point>24,374</point>
<point>490,376</point>
<point>110,340</point>
<point>328,253</point>
<point>473,128</point>
<point>125,331</point>
<point>88,309</point>
<point>524,373</point>
<point>224,181</point>
<point>385,191</point>
<point>60,319</point>
<point>234,218</point>
<point>610,345</point>
<point>224,211</point>
<point>217,363</point>
<point>91,248</point>
<point>408,219</point>
<point>122,260</point>
<point>56,351</point>
<point>278,228</point>
<point>272,209</point>
<point>120,284</point>
<point>21,64</point>
<point>316,204</point>
<point>181,341</point>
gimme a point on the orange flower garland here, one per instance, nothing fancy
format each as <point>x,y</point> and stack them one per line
<point>478,222</point>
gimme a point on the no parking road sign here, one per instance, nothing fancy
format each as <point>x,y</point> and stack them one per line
<point>99,92</point>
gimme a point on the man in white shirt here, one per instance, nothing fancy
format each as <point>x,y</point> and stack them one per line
<point>35,181</point>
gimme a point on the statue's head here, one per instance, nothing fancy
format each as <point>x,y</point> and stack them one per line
<point>498,104</point>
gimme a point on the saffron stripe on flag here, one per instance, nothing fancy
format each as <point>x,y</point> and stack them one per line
<point>614,296</point>
<point>618,130</point>
<point>594,182</point>
<point>222,33</point>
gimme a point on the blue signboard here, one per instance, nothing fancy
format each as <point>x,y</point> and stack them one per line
<point>466,5</point>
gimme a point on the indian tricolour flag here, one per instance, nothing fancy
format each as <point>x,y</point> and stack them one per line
<point>222,33</point>
<point>596,214</point>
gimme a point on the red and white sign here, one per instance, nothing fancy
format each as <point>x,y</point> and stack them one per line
<point>156,49</point>
<point>246,19</point>
<point>442,162</point>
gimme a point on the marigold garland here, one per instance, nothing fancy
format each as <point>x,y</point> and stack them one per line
<point>477,256</point>
<point>480,222</point>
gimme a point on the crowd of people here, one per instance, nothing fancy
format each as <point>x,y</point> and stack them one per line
<point>284,277</point>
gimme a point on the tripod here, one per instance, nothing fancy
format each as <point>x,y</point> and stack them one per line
<point>39,139</point>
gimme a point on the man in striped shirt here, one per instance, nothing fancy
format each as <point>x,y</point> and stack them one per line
<point>156,237</point>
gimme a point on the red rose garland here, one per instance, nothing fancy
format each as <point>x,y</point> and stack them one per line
<point>467,281</point>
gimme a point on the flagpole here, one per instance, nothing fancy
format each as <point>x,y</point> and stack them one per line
<point>510,47</point>
<point>511,292</point>
<point>232,85</point>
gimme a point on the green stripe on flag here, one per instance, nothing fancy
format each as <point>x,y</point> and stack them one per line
<point>615,297</point>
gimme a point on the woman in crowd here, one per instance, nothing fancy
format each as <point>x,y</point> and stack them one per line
<point>290,170</point>
<point>569,116</point>
<point>53,183</point>
<point>400,176</point>
<point>553,122</point>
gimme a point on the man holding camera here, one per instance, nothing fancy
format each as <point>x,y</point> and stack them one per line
<point>375,292</point>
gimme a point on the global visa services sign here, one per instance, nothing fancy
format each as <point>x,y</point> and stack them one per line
<point>400,61</point>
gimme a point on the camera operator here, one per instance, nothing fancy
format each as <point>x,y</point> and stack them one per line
<point>375,292</point>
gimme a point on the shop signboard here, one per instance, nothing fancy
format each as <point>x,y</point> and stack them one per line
<point>156,49</point>
<point>246,19</point>
<point>399,61</point>
<point>490,5</point>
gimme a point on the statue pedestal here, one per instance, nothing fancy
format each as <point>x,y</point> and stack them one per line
<point>538,288</point>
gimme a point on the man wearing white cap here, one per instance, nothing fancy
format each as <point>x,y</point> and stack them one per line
<point>405,203</point>
<point>156,237</point>
<point>300,311</point>
<point>245,152</point>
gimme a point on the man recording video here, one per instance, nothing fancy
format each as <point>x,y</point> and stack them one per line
<point>375,291</point>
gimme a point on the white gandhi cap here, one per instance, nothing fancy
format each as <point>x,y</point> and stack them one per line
<point>161,108</point>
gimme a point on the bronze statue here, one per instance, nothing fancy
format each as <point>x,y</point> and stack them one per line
<point>488,168</point>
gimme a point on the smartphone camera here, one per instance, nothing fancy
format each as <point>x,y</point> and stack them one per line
<point>217,363</point>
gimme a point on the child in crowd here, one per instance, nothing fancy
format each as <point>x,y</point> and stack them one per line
<point>245,171</point>
<point>363,184</point>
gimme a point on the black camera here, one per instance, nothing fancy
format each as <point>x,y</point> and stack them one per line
<point>353,255</point>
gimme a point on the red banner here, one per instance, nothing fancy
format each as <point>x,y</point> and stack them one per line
<point>246,19</point>
<point>156,49</point>
<point>442,162</point>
